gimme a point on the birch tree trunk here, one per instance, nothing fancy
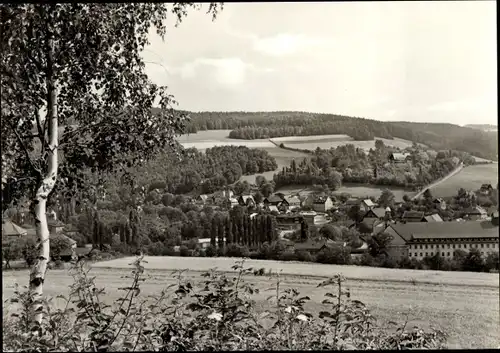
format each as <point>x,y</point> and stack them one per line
<point>46,185</point>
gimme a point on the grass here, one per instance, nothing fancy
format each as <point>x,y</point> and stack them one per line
<point>470,178</point>
<point>441,299</point>
<point>329,141</point>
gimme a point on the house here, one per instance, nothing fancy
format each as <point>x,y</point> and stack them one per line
<point>202,199</point>
<point>271,208</point>
<point>377,213</point>
<point>322,204</point>
<point>440,203</point>
<point>246,200</point>
<point>361,250</point>
<point>486,189</point>
<point>474,213</point>
<point>426,239</point>
<point>289,221</point>
<point>399,157</point>
<point>413,216</point>
<point>433,218</point>
<point>10,229</point>
<point>233,202</point>
<point>366,205</point>
<point>274,200</point>
<point>291,202</point>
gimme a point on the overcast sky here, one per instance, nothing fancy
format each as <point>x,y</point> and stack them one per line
<point>413,61</point>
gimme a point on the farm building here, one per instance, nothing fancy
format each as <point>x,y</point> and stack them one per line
<point>426,239</point>
<point>399,157</point>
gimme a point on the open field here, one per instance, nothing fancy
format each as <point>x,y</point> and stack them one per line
<point>440,299</point>
<point>469,178</point>
<point>210,138</point>
<point>356,190</point>
<point>329,141</point>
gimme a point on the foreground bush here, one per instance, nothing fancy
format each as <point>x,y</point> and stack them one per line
<point>218,314</point>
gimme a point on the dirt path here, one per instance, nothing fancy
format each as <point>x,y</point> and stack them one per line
<point>430,186</point>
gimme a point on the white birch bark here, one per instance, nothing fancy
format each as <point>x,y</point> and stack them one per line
<point>48,180</point>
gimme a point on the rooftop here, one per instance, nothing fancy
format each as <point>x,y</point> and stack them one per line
<point>446,230</point>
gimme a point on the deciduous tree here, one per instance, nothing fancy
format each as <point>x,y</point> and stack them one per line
<point>78,65</point>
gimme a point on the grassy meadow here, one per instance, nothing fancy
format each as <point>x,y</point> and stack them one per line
<point>469,178</point>
<point>329,141</point>
<point>428,298</point>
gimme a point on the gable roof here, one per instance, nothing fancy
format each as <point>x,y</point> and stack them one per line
<point>273,199</point>
<point>433,218</point>
<point>203,197</point>
<point>446,230</point>
<point>273,208</point>
<point>247,197</point>
<point>12,229</point>
<point>292,199</point>
<point>379,212</point>
<point>399,156</point>
<point>368,203</point>
<point>413,215</point>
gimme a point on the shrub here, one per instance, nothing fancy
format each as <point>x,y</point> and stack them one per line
<point>304,255</point>
<point>288,256</point>
<point>236,250</point>
<point>210,251</point>
<point>59,244</point>
<point>334,255</point>
<point>29,250</point>
<point>12,249</point>
<point>184,251</point>
<point>492,262</point>
<point>219,315</point>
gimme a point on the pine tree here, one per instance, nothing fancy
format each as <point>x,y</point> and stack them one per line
<point>229,231</point>
<point>220,233</point>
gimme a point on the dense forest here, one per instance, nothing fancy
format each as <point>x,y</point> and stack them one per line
<point>350,164</point>
<point>201,172</point>
<point>439,136</point>
<point>256,125</point>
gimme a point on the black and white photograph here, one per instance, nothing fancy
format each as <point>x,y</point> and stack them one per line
<point>249,176</point>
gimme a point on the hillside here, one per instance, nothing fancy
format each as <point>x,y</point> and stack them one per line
<point>257,125</point>
<point>483,127</point>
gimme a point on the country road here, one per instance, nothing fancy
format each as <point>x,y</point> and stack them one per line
<point>430,186</point>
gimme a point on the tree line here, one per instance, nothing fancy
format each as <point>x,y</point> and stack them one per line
<point>347,163</point>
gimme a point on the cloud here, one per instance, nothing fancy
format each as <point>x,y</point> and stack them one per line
<point>227,72</point>
<point>285,44</point>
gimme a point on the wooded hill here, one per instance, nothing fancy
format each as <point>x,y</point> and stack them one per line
<point>255,125</point>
